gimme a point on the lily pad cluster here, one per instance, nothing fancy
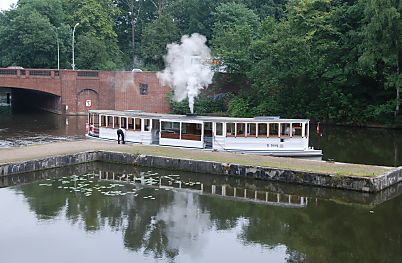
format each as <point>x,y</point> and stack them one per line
<point>119,185</point>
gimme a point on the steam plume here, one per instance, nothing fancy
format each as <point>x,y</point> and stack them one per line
<point>186,71</point>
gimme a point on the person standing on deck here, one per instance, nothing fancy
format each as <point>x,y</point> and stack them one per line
<point>120,134</point>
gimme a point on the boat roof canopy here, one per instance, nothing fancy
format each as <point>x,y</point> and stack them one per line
<point>192,117</point>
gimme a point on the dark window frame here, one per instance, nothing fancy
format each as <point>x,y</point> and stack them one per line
<point>143,89</point>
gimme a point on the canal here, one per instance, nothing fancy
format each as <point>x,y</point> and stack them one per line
<point>344,144</point>
<point>375,146</point>
<point>33,127</point>
<point>106,213</point>
<point>101,212</point>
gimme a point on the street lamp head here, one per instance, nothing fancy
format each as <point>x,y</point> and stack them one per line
<point>77,24</point>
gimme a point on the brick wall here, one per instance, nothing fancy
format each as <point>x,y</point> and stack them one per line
<point>128,97</point>
<point>106,90</point>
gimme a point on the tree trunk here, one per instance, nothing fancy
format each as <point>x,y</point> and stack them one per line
<point>132,16</point>
<point>158,6</point>
<point>398,72</point>
<point>133,40</point>
<point>397,101</point>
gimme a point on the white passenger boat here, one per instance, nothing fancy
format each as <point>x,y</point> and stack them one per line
<point>259,135</point>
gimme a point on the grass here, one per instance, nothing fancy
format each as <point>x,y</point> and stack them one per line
<point>53,149</point>
<point>340,169</point>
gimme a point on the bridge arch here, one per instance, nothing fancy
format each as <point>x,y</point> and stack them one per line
<point>41,80</point>
<point>30,99</point>
<point>39,88</point>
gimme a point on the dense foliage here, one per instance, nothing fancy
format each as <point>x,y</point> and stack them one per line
<point>330,60</point>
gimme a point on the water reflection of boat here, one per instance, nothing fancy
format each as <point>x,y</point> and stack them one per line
<point>285,190</point>
<point>180,226</point>
<point>225,190</point>
<point>259,135</point>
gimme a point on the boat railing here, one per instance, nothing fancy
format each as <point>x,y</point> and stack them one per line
<point>92,130</point>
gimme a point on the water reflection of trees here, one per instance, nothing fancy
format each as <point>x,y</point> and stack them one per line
<point>321,232</point>
<point>121,213</point>
<point>360,145</point>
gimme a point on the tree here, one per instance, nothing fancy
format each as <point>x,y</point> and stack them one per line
<point>94,54</point>
<point>297,68</point>
<point>31,27</point>
<point>267,8</point>
<point>130,19</point>
<point>159,5</point>
<point>52,9</point>
<point>96,18</point>
<point>382,44</point>
<point>27,38</point>
<point>193,16</point>
<point>129,24</point>
<point>234,29</point>
<point>156,36</point>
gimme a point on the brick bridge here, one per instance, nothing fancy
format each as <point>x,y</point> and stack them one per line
<point>74,92</point>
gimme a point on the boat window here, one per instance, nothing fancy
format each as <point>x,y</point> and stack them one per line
<point>273,129</point>
<point>109,121</point>
<point>116,122</point>
<point>155,124</point>
<point>251,129</point>
<point>219,129</point>
<point>262,129</point>
<point>207,129</point>
<point>131,123</point>
<point>306,132</point>
<point>147,124</point>
<point>137,124</point>
<point>241,129</point>
<point>285,129</point>
<point>90,118</point>
<point>191,131</point>
<point>230,129</point>
<point>95,120</point>
<point>124,122</point>
<point>297,129</point>
<point>170,130</point>
<point>103,121</point>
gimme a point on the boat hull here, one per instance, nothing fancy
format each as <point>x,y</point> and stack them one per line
<point>282,153</point>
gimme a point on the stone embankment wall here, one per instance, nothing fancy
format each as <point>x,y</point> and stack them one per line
<point>363,184</point>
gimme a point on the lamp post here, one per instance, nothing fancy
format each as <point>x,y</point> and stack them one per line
<point>73,44</point>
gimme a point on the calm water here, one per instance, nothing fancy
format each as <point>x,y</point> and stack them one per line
<point>18,129</point>
<point>108,213</point>
<point>356,145</point>
<point>103,214</point>
<point>360,145</point>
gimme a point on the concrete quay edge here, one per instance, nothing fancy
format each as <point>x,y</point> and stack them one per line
<point>354,183</point>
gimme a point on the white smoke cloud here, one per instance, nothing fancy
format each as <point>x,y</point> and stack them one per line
<point>186,69</point>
